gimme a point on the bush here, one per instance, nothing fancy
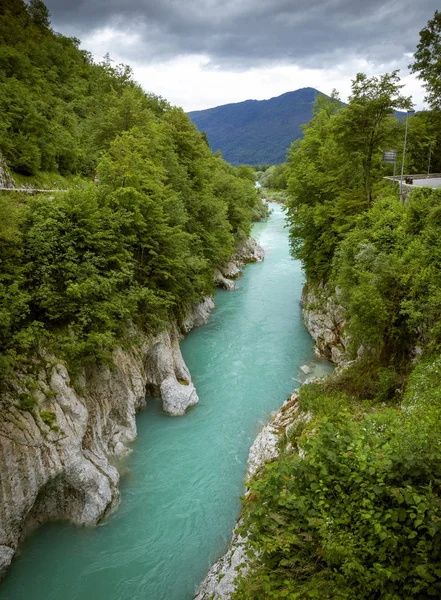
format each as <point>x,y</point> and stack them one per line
<point>358,517</point>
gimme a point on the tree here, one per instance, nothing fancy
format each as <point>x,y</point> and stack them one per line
<point>424,140</point>
<point>367,126</point>
<point>428,60</point>
<point>39,13</point>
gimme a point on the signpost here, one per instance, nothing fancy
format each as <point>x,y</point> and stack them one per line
<point>390,156</point>
<point>430,156</point>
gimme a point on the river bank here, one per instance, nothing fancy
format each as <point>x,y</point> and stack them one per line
<point>180,494</point>
<point>324,319</point>
<point>63,468</point>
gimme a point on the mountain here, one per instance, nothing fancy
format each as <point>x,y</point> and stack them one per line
<point>256,131</point>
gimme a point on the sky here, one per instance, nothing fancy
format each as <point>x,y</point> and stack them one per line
<point>203,53</point>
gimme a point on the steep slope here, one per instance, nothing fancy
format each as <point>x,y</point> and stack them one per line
<point>256,131</point>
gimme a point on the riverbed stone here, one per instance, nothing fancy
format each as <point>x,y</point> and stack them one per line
<point>221,281</point>
<point>177,397</point>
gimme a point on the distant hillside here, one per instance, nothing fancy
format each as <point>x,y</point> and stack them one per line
<point>256,131</point>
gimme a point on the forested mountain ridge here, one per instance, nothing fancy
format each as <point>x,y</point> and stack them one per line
<point>257,131</point>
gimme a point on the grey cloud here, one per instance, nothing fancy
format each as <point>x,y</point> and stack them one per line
<point>239,34</point>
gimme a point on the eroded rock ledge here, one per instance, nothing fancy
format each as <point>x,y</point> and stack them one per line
<point>324,318</point>
<point>61,468</point>
<point>247,252</point>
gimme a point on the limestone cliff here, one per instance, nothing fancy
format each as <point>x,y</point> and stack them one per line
<point>324,318</point>
<point>56,459</point>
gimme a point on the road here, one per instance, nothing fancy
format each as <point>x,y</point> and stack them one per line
<point>433,183</point>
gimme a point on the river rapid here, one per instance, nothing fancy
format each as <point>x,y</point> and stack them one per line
<point>180,492</point>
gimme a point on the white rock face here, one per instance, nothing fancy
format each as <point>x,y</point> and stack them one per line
<point>248,252</point>
<point>221,281</point>
<point>63,472</point>
<point>325,321</point>
<point>167,375</point>
<point>218,583</point>
<point>198,315</point>
<point>177,397</point>
<point>231,271</point>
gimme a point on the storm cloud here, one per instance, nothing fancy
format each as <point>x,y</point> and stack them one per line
<point>242,34</point>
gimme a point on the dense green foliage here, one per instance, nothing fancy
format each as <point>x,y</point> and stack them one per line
<point>428,59</point>
<point>424,143</point>
<point>332,171</point>
<point>78,269</point>
<point>58,109</point>
<point>351,507</point>
<point>359,515</point>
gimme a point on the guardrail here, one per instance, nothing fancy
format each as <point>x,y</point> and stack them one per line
<point>417,176</point>
<point>30,190</point>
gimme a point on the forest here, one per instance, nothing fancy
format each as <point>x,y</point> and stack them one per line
<point>149,213</point>
<point>143,216</point>
<point>351,509</point>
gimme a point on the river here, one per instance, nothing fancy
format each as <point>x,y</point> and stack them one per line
<point>180,492</point>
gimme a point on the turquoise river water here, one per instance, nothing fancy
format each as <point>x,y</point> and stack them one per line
<point>180,493</point>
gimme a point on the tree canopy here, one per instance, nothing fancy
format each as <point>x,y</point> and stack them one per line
<point>428,60</point>
<point>350,507</point>
<point>139,244</point>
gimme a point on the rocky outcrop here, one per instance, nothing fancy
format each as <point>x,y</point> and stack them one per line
<point>324,318</point>
<point>231,270</point>
<point>219,581</point>
<point>246,252</point>
<point>167,375</point>
<point>197,315</point>
<point>6,179</point>
<point>221,281</point>
<point>56,459</point>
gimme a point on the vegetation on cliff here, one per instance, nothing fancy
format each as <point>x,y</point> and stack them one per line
<point>135,246</point>
<point>351,509</point>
